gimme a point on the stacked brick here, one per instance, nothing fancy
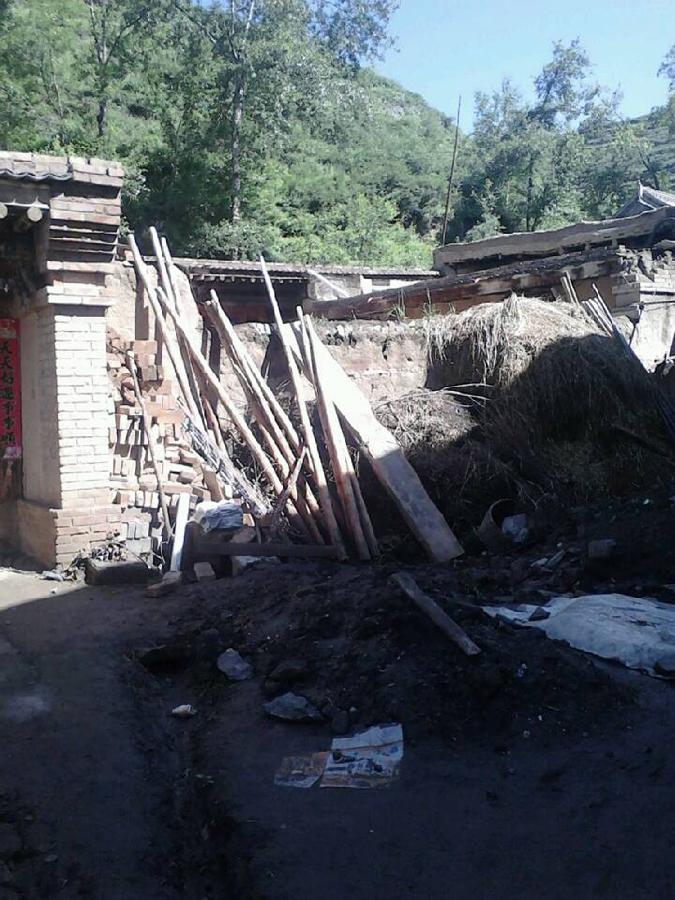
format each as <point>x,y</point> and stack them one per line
<point>133,480</point>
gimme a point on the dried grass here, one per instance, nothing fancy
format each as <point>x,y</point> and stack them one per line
<point>559,394</point>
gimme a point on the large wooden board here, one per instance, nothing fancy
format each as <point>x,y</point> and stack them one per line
<point>385,456</point>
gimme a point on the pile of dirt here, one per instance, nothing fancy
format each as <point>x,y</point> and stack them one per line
<point>346,638</point>
<point>543,408</point>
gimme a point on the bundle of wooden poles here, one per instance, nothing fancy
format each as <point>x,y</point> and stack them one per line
<point>288,458</point>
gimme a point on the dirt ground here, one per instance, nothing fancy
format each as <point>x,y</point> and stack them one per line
<point>531,770</point>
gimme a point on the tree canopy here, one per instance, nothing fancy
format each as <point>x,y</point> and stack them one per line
<point>255,126</point>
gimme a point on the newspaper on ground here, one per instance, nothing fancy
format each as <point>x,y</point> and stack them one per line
<point>301,771</point>
<point>369,759</point>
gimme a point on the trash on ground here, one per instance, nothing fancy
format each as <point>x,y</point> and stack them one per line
<point>52,575</point>
<point>226,515</point>
<point>236,668</point>
<point>369,759</point>
<point>301,771</point>
<point>636,631</point>
<point>184,711</point>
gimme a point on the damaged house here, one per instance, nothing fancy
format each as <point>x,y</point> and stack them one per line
<point>88,453</point>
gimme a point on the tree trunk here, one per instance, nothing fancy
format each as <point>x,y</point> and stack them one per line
<point>237,116</point>
<point>101,115</point>
<point>530,186</point>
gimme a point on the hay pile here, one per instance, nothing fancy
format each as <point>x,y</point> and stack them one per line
<point>565,416</point>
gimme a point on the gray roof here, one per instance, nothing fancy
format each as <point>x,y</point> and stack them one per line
<point>647,198</point>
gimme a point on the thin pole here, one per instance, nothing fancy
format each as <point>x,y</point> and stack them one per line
<point>452,173</point>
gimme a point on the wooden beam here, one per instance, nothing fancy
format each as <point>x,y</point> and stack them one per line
<point>302,551</point>
<point>423,601</point>
<point>486,285</point>
<point>554,241</point>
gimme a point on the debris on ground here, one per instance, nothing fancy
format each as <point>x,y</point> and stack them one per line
<point>129,571</point>
<point>636,631</point>
<point>369,759</point>
<point>301,771</point>
<point>236,668</point>
<point>184,711</point>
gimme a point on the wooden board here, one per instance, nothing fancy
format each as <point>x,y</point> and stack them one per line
<point>385,456</point>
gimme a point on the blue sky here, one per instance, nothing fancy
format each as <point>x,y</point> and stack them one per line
<point>448,47</point>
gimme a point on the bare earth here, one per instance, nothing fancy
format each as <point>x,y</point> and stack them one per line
<point>103,795</point>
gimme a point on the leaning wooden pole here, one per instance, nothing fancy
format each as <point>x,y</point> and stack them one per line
<point>325,501</point>
<point>171,347</point>
<point>265,400</point>
<point>336,451</point>
<point>237,419</point>
<point>232,340</point>
<point>346,464</point>
<point>187,372</point>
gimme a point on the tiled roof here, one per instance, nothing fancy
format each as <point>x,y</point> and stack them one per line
<point>647,198</point>
<point>39,167</point>
<point>206,267</point>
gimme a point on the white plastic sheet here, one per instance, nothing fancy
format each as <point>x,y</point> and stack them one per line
<point>636,631</point>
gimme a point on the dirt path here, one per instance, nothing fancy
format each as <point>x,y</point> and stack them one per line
<point>102,795</point>
<point>87,774</point>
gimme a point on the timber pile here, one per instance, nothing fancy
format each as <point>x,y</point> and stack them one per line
<point>298,457</point>
<point>133,478</point>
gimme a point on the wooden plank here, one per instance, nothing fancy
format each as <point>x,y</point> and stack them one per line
<point>343,469</point>
<point>179,531</point>
<point>325,501</point>
<point>385,456</point>
<point>423,601</point>
<point>296,551</point>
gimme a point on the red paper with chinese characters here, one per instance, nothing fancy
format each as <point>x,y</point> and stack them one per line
<point>10,390</point>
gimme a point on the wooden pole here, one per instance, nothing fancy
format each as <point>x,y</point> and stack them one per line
<point>325,501</point>
<point>238,420</point>
<point>252,380</point>
<point>231,340</point>
<point>345,460</point>
<point>167,337</point>
<point>131,362</point>
<point>440,618</point>
<point>385,455</point>
<point>168,287</point>
<point>337,448</point>
<point>452,173</point>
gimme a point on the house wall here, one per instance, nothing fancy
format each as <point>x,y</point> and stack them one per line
<point>66,498</point>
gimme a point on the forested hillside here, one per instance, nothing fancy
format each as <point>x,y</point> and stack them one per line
<point>257,125</point>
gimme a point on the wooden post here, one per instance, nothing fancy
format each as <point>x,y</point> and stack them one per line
<point>345,460</point>
<point>386,457</point>
<point>325,501</point>
<point>440,618</point>
<point>236,417</point>
<point>167,337</point>
<point>252,382</point>
<point>337,447</point>
<point>187,374</point>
